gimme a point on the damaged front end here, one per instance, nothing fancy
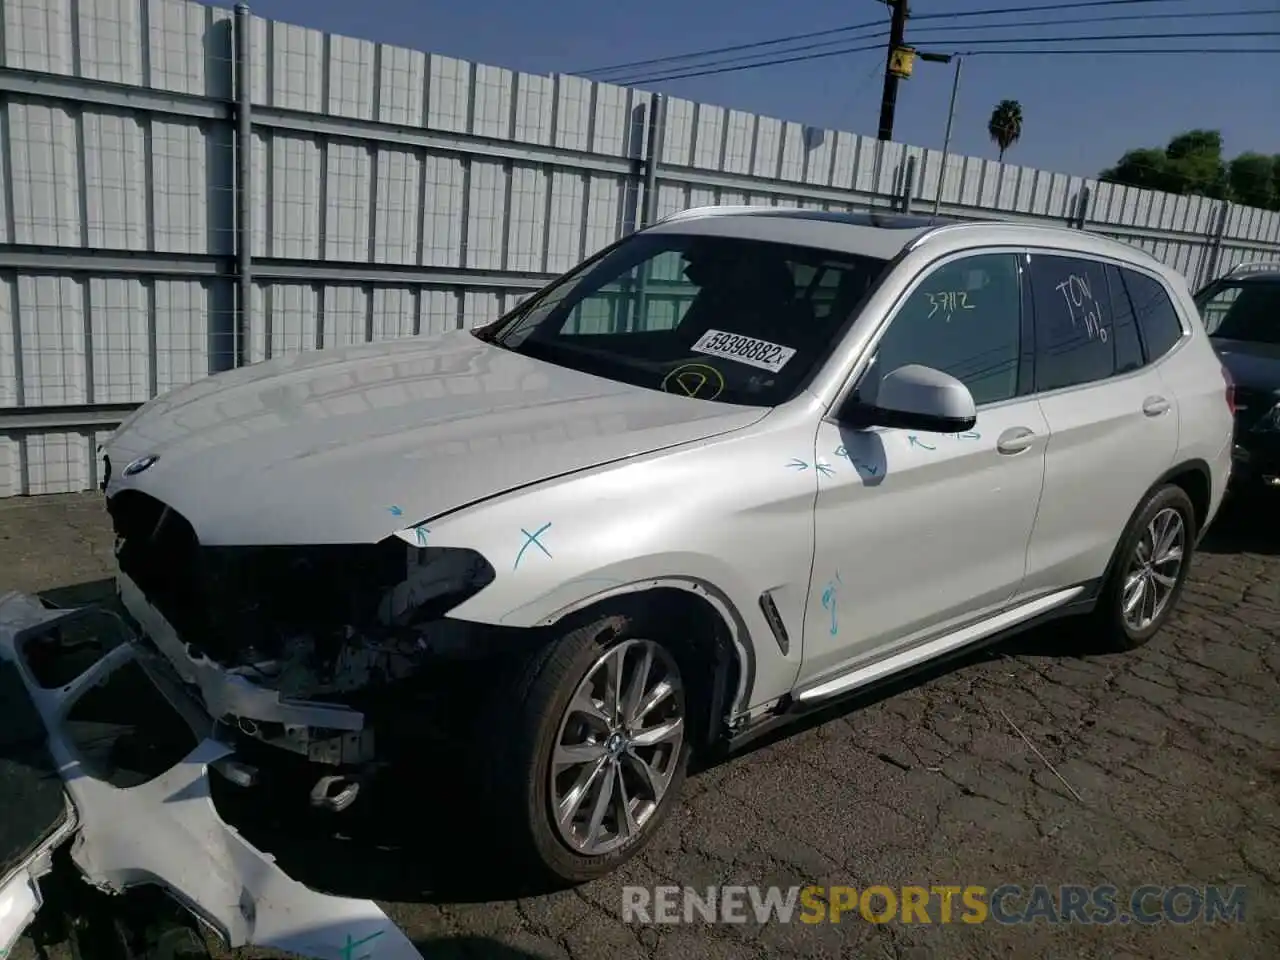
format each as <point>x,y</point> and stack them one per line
<point>298,647</point>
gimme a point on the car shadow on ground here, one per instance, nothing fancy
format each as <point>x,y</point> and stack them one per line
<point>1245,524</point>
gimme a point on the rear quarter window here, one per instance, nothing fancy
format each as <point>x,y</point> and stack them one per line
<point>1157,317</point>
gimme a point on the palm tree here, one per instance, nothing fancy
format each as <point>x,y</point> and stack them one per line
<point>1005,125</point>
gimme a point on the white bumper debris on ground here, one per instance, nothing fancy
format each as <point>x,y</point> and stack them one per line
<point>167,832</point>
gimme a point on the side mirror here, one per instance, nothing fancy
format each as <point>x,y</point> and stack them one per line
<point>915,397</point>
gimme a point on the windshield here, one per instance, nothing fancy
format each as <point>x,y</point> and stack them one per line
<point>712,318</point>
<point>1242,310</point>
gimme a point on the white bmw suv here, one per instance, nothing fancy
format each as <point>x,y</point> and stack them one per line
<point>735,466</point>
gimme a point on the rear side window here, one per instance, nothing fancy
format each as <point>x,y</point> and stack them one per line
<point>1157,319</point>
<point>1247,310</point>
<point>1073,322</point>
<point>1124,325</point>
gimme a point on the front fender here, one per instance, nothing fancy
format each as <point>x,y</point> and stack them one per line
<point>566,544</point>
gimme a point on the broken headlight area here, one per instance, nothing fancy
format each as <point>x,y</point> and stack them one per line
<point>313,618</point>
<point>340,624</point>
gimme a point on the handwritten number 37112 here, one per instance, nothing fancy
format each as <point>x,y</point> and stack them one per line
<point>949,301</point>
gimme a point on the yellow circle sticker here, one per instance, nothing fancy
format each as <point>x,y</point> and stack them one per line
<point>696,380</point>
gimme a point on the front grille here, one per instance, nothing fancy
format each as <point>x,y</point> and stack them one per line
<point>238,604</point>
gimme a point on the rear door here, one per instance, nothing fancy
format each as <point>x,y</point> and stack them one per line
<point>1113,423</point>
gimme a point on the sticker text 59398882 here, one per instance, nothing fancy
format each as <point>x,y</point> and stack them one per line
<point>748,350</point>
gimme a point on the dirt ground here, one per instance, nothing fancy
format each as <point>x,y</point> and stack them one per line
<point>1167,768</point>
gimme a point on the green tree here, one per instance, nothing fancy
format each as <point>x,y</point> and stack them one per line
<point>1192,163</point>
<point>1251,177</point>
<point>1005,125</point>
<point>1195,161</point>
<point>1146,167</point>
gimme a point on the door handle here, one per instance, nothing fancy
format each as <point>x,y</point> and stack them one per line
<point>1154,406</point>
<point>1015,440</point>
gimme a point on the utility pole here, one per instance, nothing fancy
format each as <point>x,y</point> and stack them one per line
<point>946,140</point>
<point>889,100</point>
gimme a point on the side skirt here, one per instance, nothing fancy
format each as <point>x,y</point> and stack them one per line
<point>869,683</point>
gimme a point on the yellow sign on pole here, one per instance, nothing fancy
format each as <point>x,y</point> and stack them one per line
<point>901,62</point>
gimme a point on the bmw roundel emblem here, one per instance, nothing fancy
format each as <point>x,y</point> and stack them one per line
<point>141,464</point>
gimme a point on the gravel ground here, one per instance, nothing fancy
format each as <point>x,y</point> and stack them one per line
<point>1167,768</point>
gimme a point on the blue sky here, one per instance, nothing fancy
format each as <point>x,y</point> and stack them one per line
<point>1080,112</point>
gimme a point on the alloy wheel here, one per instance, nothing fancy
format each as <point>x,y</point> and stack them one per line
<point>618,747</point>
<point>1154,570</point>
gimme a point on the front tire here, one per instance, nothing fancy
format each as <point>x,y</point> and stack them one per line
<point>1150,570</point>
<point>587,749</point>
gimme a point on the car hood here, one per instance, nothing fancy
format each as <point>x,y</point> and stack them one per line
<point>348,446</point>
<point>1255,366</point>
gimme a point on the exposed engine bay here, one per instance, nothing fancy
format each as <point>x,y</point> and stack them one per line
<point>288,644</point>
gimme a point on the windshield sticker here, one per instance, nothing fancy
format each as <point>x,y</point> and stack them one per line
<point>734,346</point>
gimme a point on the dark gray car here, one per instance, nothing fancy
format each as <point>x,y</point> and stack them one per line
<point>1241,312</point>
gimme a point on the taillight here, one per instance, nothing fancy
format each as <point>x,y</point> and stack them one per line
<point>1231,390</point>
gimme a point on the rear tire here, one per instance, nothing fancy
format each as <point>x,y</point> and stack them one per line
<point>600,710</point>
<point>1149,570</point>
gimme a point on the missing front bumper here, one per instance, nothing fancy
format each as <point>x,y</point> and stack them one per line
<point>324,733</point>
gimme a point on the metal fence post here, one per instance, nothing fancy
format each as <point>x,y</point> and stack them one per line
<point>1209,265</point>
<point>1082,207</point>
<point>244,193</point>
<point>653,157</point>
<point>908,183</point>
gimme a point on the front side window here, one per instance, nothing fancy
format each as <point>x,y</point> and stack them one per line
<point>1247,310</point>
<point>711,318</point>
<point>965,319</point>
<point>1075,341</point>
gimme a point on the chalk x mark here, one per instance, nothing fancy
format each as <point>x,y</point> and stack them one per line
<point>829,600</point>
<point>862,467</point>
<point>532,539</point>
<point>351,945</point>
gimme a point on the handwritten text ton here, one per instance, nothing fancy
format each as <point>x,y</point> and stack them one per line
<point>1081,305</point>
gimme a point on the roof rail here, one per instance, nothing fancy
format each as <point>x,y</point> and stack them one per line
<point>1253,269</point>
<point>696,213</point>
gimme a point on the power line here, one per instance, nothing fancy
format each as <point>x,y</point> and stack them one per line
<point>848,28</point>
<point>693,55</point>
<point>1198,35</point>
<point>1001,26</point>
<point>763,63</point>
<point>1033,9</point>
<point>778,61</point>
<point>878,35</point>
<point>1096,52</point>
<point>1198,15</point>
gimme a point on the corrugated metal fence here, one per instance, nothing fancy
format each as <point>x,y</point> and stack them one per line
<point>385,192</point>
